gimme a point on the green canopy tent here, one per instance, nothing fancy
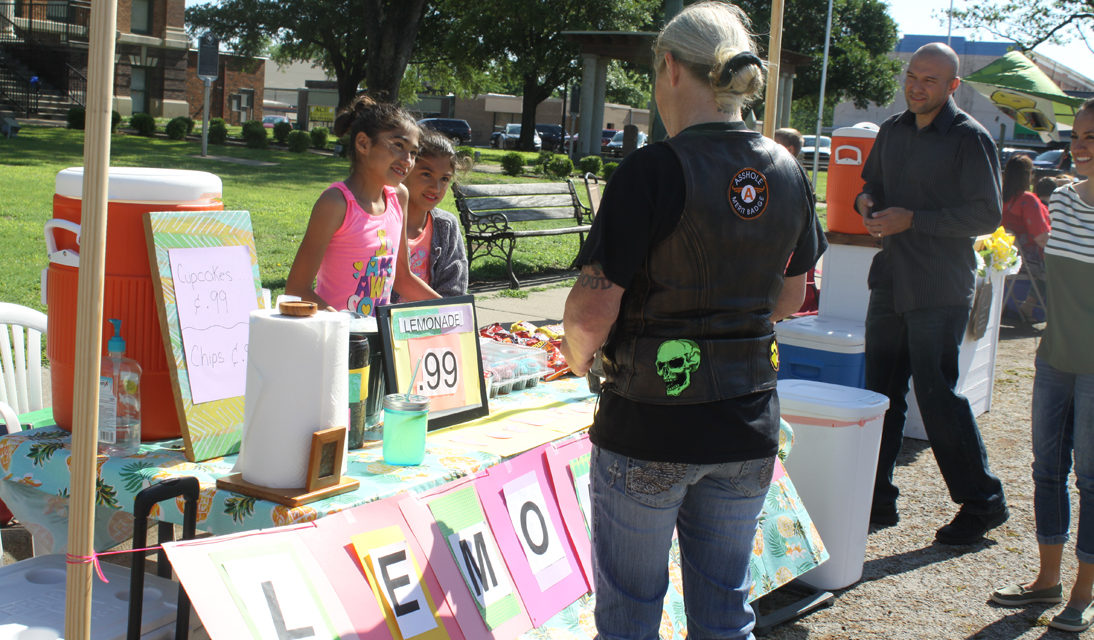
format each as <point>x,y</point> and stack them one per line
<point>1024,93</point>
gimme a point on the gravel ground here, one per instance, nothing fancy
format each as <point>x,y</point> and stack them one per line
<point>912,587</point>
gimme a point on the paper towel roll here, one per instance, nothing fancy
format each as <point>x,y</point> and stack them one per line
<point>297,384</point>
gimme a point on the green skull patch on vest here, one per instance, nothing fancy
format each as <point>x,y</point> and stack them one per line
<point>676,361</point>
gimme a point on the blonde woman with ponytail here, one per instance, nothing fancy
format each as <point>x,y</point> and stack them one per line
<point>701,243</point>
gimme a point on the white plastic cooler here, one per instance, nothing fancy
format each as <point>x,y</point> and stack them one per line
<point>837,432</point>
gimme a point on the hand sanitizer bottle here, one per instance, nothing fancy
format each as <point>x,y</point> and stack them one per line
<point>119,399</point>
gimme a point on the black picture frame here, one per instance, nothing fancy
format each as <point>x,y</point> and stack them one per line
<point>393,384</point>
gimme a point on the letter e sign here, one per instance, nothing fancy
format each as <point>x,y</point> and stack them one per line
<point>536,531</point>
<point>401,587</point>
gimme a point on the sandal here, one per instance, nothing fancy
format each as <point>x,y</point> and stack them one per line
<point>1072,619</point>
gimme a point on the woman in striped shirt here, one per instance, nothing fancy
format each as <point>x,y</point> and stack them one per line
<point>1063,395</point>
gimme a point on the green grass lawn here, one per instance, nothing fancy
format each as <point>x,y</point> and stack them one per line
<point>279,199</point>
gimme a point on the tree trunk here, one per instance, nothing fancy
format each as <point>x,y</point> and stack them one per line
<point>534,94</point>
<point>391,41</point>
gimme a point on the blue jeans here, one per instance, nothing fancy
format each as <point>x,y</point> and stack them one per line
<point>924,344</point>
<point>1063,426</point>
<point>714,508</point>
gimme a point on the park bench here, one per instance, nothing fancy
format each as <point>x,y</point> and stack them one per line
<point>490,214</point>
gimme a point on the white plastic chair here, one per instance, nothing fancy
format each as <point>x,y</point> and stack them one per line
<point>21,330</point>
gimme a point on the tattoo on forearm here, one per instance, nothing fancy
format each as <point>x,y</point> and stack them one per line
<point>594,280</point>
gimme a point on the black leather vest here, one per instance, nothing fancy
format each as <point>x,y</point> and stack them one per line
<point>695,324</point>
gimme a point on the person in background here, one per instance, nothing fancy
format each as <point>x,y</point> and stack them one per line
<point>931,186</point>
<point>436,249</point>
<point>1063,396</point>
<point>35,90</point>
<point>1024,214</point>
<point>681,279</point>
<point>791,139</point>
<point>1044,187</point>
<point>354,249</point>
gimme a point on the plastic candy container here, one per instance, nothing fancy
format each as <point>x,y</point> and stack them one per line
<point>511,367</point>
<point>547,338</point>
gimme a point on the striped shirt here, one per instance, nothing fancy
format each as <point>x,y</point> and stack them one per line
<point>1068,342</point>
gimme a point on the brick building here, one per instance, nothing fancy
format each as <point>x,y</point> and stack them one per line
<point>49,39</point>
<point>237,93</point>
<point>155,70</point>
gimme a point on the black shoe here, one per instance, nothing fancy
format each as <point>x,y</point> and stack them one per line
<point>969,528</point>
<point>883,515</point>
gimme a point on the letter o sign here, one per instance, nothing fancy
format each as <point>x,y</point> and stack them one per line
<point>538,547</point>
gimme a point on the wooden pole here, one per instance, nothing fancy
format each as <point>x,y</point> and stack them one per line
<point>774,53</point>
<point>89,317</point>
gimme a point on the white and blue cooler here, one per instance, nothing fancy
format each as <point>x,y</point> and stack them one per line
<point>837,433</point>
<point>823,349</point>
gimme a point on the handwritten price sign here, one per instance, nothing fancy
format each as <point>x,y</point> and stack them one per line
<point>213,301</point>
<point>215,294</point>
<point>440,372</point>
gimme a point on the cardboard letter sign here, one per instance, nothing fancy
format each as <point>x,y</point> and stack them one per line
<point>261,587</point>
<point>397,583</point>
<point>537,534</point>
<point>464,550</point>
<point>527,523</point>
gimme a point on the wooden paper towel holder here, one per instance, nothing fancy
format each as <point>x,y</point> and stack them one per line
<point>324,478</point>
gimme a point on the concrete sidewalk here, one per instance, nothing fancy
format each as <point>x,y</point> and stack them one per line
<point>543,304</point>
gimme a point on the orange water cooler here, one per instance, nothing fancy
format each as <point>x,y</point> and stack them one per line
<point>127,282</point>
<point>850,147</point>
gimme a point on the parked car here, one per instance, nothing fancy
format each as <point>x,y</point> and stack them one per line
<point>615,146</point>
<point>270,121</point>
<point>458,131</point>
<point>553,136</point>
<point>1006,153</point>
<point>508,137</point>
<point>823,150</point>
<point>1052,163</point>
<point>606,136</point>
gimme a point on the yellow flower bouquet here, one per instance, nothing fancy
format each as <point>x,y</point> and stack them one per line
<point>996,251</point>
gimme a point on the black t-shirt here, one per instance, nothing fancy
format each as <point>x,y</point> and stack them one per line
<point>642,204</point>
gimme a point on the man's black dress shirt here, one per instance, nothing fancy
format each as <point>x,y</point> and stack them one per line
<point>947,174</point>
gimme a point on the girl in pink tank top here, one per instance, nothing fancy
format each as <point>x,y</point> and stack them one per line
<point>355,249</point>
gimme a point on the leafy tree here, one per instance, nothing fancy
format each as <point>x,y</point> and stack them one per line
<point>863,36</point>
<point>628,84</point>
<point>1032,22</point>
<point>356,40</point>
<point>523,40</point>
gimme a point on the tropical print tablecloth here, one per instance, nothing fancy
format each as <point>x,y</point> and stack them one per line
<point>34,483</point>
<point>34,472</point>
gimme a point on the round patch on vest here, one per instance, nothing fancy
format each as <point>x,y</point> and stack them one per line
<point>748,194</point>
<point>774,355</point>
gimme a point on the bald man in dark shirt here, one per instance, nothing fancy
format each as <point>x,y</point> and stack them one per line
<point>931,186</point>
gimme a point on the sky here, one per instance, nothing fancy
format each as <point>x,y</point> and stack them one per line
<point>923,17</point>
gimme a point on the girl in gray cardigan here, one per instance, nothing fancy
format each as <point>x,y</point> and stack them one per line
<point>434,244</point>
